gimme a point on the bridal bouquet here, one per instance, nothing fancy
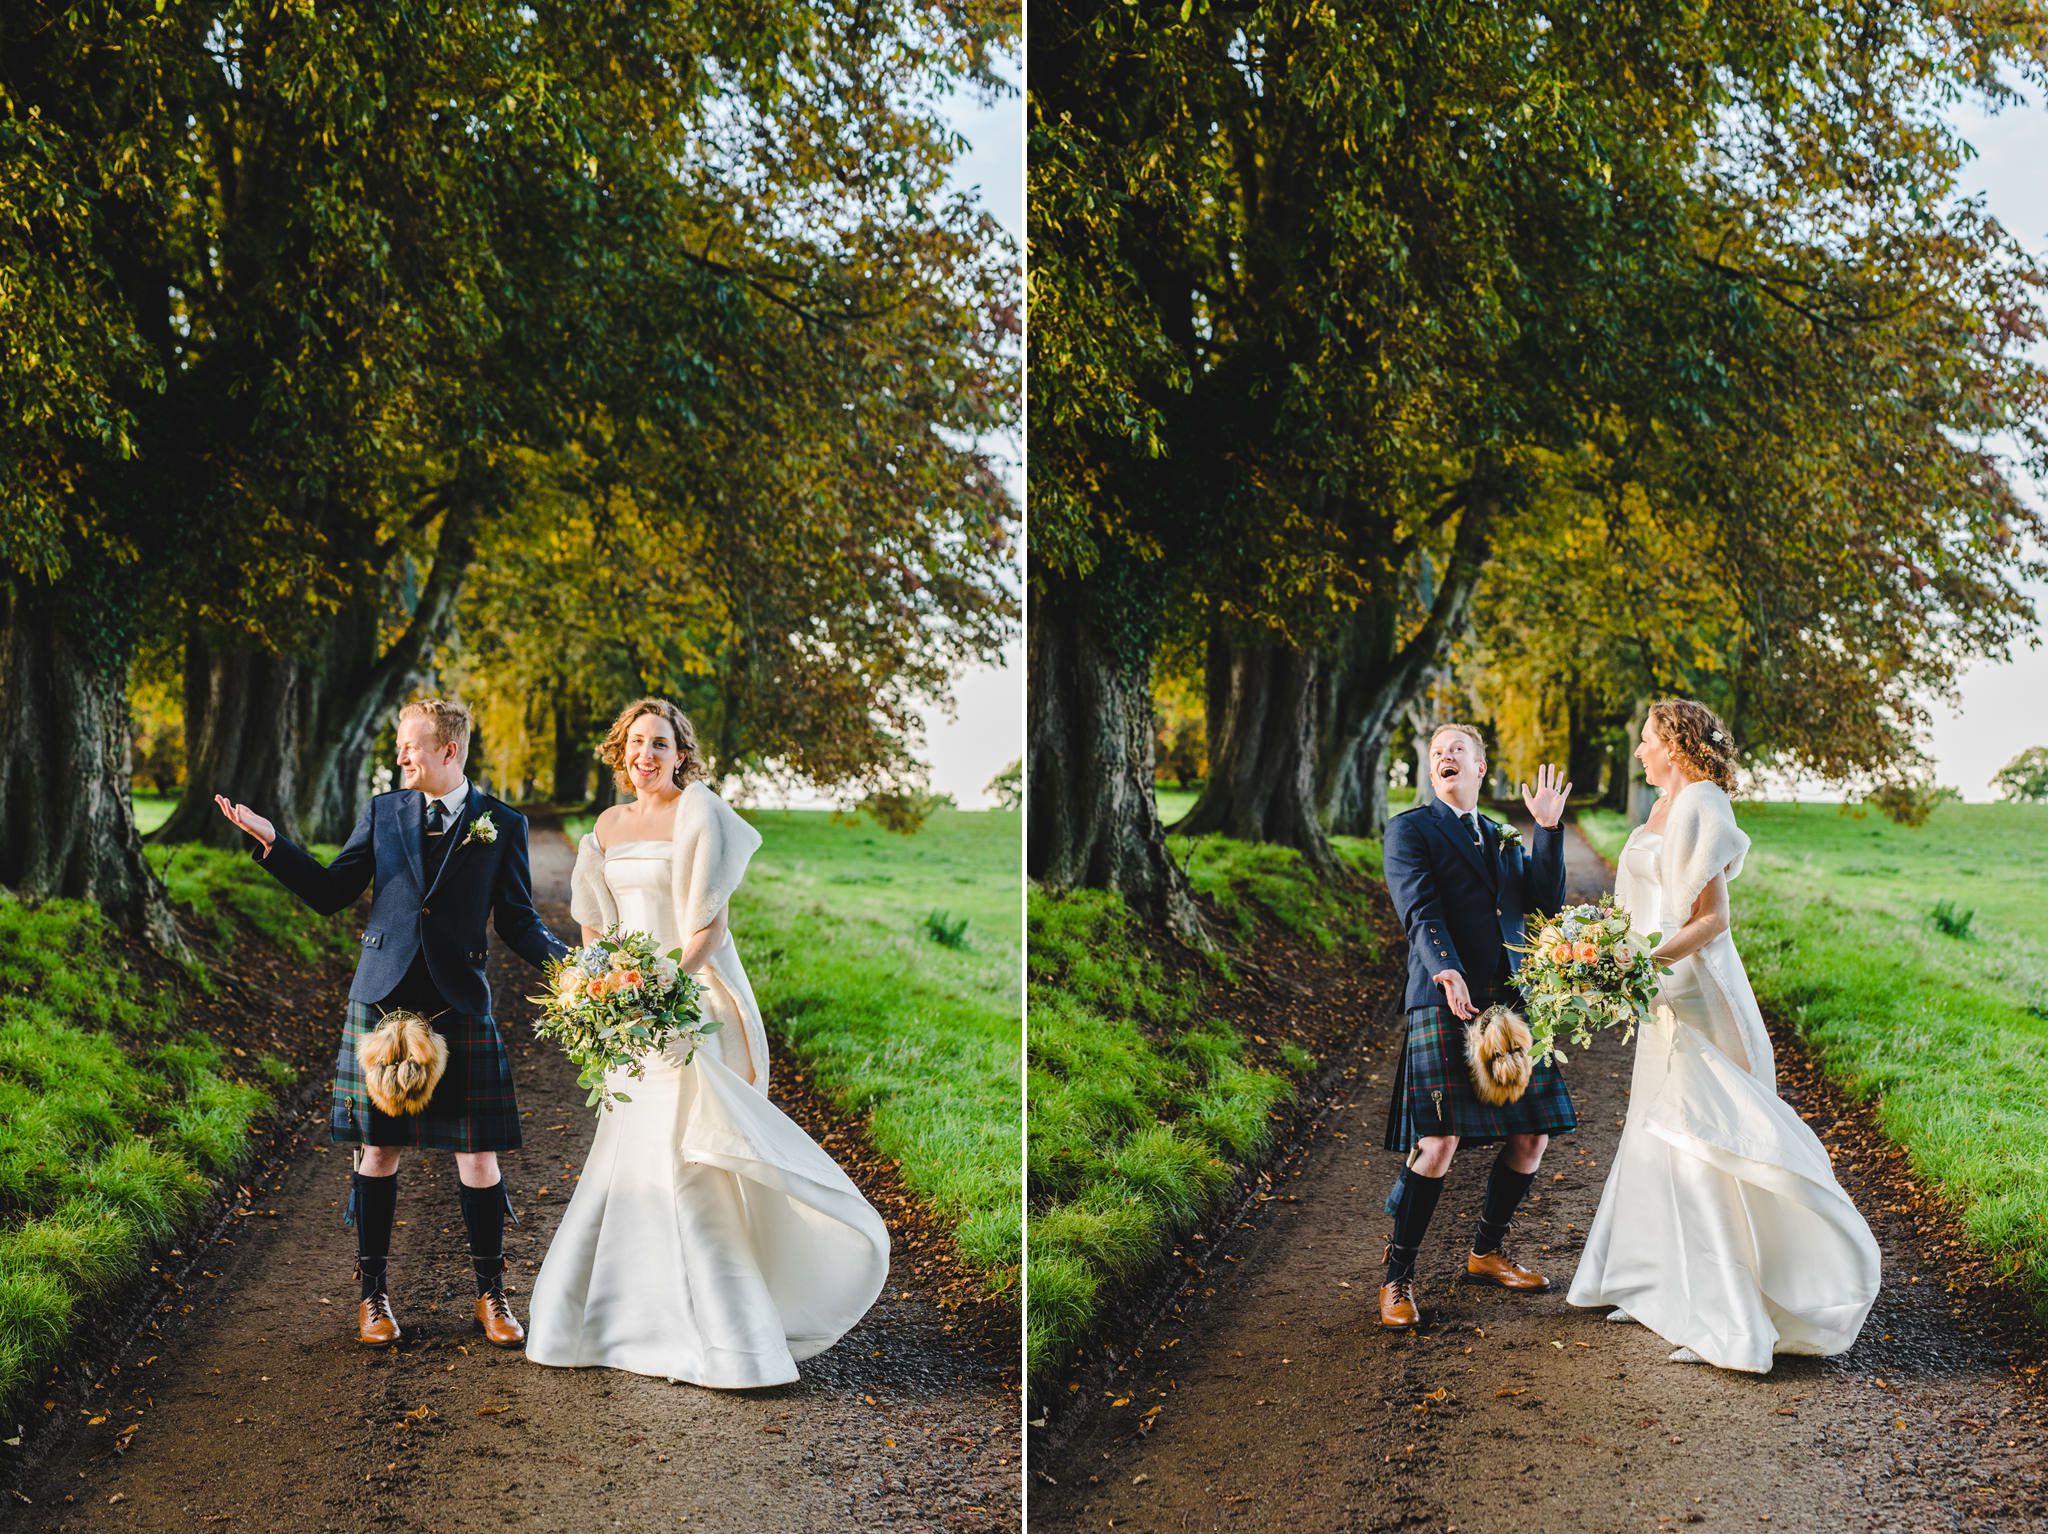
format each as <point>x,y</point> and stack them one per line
<point>613,1002</point>
<point>1585,970</point>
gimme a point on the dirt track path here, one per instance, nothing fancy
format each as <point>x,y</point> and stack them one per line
<point>258,1411</point>
<point>1281,1404</point>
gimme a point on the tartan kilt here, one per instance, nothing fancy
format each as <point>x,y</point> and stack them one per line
<point>473,1108</point>
<point>1433,1091</point>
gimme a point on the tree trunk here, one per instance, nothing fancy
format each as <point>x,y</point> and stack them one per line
<point>366,688</point>
<point>1262,721</point>
<point>1379,676</point>
<point>290,734</point>
<point>67,827</point>
<point>1640,795</point>
<point>1090,816</point>
<point>242,718</point>
<point>1362,697</point>
<point>572,758</point>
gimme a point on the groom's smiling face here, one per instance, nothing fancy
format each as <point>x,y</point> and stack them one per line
<point>1456,767</point>
<point>423,762</point>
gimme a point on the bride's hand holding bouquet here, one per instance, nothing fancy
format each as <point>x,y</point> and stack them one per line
<point>1583,971</point>
<point>614,1002</point>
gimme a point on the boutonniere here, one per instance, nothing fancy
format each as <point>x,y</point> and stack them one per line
<point>482,829</point>
<point>1510,838</point>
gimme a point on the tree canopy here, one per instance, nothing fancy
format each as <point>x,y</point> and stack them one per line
<point>1642,348</point>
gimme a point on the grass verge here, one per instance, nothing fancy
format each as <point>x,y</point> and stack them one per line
<point>889,965</point>
<point>1147,1103</point>
<point>116,1120</point>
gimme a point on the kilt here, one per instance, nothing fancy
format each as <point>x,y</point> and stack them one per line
<point>1433,1091</point>
<point>473,1108</point>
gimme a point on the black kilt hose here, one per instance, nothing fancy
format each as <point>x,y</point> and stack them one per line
<point>473,1108</point>
<point>1433,1090</point>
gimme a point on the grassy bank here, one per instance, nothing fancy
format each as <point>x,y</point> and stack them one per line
<point>116,1118</point>
<point>1937,1011</point>
<point>890,966</point>
<point>1146,1101</point>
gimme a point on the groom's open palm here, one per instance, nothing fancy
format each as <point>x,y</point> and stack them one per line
<point>248,820</point>
<point>1546,803</point>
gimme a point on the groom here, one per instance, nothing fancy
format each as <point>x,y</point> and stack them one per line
<point>444,855</point>
<point>1463,891</point>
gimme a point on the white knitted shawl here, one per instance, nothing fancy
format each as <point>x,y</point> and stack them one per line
<point>1701,840</point>
<point>713,845</point>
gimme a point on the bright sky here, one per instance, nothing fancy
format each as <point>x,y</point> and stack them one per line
<point>2003,708</point>
<point>987,732</point>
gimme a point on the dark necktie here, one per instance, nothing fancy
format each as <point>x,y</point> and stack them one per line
<point>437,817</point>
<point>1471,819</point>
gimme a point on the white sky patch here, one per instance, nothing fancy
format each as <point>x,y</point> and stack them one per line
<point>986,732</point>
<point>2003,707</point>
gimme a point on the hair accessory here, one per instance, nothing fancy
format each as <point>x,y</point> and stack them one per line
<point>1718,737</point>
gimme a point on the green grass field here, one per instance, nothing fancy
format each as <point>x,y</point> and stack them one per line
<point>152,810</point>
<point>116,1119</point>
<point>1176,802</point>
<point>1145,1105</point>
<point>1836,918</point>
<point>848,934</point>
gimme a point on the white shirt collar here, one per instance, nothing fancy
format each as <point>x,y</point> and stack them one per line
<point>451,802</point>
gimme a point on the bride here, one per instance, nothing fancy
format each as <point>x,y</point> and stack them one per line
<point>710,1239</point>
<point>1721,1227</point>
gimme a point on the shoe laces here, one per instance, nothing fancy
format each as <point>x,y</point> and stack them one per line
<point>496,1303</point>
<point>380,1308</point>
<point>1404,1288</point>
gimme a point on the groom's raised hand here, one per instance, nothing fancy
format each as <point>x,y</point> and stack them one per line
<point>1546,804</point>
<point>248,820</point>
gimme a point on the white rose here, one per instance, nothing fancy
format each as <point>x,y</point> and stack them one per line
<point>668,972</point>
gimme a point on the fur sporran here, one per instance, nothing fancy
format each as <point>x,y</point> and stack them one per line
<point>1497,1045</point>
<point>402,1059</point>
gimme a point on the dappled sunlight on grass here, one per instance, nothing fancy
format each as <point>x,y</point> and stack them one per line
<point>1145,1106</point>
<point>917,1036</point>
<point>112,1121</point>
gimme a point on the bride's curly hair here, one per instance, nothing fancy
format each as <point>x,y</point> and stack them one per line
<point>1696,737</point>
<point>689,759</point>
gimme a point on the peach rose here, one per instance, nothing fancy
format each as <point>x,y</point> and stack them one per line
<point>626,980</point>
<point>1561,954</point>
<point>598,986</point>
<point>1588,952</point>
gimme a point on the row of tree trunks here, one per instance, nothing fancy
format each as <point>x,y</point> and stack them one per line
<point>1262,706</point>
<point>1298,739</point>
<point>1092,820</point>
<point>67,827</point>
<point>289,732</point>
<point>572,757</point>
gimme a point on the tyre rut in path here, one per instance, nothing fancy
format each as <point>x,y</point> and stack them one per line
<point>258,1411</point>
<point>1282,1405</point>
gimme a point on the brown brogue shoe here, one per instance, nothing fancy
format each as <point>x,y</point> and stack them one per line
<point>1499,1268</point>
<point>1398,1310</point>
<point>376,1326</point>
<point>500,1326</point>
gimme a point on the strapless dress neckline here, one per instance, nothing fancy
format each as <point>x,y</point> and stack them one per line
<point>645,841</point>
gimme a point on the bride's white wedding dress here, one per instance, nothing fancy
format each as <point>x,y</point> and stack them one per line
<point>1721,1227</point>
<point>709,1239</point>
